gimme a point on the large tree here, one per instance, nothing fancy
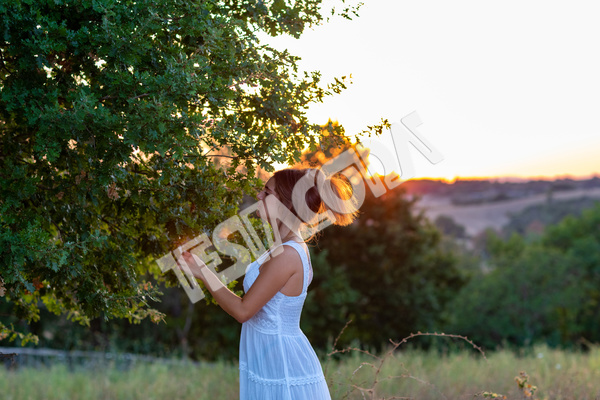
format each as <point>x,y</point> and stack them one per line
<point>126,126</point>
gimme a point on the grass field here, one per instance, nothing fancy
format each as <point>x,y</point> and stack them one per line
<point>406,374</point>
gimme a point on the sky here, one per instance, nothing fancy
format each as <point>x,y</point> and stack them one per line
<point>504,89</point>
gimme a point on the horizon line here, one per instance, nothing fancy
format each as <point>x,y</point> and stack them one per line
<point>510,178</point>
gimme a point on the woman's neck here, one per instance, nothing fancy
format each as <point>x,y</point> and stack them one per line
<point>291,236</point>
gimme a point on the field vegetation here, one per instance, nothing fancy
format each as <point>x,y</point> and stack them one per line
<point>416,374</point>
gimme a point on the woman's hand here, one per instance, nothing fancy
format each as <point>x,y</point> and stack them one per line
<point>192,264</point>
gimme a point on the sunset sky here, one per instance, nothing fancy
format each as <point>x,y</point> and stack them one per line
<point>504,89</point>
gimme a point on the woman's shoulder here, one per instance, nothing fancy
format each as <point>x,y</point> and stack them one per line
<point>288,257</point>
<point>301,249</point>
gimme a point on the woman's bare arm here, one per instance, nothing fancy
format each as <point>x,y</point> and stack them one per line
<point>274,274</point>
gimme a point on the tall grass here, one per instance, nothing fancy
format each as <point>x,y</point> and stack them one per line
<point>143,381</point>
<point>558,374</point>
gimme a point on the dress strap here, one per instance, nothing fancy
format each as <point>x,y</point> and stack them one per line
<point>306,264</point>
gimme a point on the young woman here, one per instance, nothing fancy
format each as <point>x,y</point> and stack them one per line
<point>276,360</point>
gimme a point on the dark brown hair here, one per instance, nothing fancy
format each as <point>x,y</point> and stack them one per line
<point>286,180</point>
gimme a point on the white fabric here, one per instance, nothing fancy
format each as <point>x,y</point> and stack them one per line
<point>277,361</point>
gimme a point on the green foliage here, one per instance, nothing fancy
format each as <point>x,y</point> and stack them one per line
<point>329,301</point>
<point>450,227</point>
<point>549,213</point>
<point>544,290</point>
<point>397,277</point>
<point>127,127</point>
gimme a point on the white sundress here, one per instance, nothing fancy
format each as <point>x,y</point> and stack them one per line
<point>277,361</point>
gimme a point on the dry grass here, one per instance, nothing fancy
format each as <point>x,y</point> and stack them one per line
<point>403,374</point>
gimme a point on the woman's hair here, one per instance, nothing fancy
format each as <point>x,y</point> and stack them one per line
<point>326,193</point>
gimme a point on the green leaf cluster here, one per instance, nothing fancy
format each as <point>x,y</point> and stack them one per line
<point>128,127</point>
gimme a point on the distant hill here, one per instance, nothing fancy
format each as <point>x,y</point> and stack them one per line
<point>471,191</point>
<point>481,204</point>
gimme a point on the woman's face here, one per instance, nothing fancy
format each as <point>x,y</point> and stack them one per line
<point>268,197</point>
